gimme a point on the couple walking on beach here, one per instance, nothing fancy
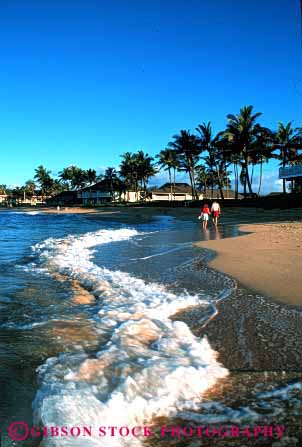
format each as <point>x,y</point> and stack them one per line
<point>205,213</point>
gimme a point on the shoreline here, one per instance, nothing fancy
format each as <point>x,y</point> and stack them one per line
<point>257,339</point>
<point>266,259</point>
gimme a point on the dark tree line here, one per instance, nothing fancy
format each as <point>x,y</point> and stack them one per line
<point>207,158</point>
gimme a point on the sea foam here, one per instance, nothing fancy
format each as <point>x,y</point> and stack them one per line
<point>149,367</point>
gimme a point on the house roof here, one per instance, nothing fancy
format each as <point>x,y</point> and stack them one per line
<point>185,188</point>
<point>180,188</point>
<point>64,196</point>
<point>103,185</point>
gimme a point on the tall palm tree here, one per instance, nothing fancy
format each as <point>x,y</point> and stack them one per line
<point>91,176</point>
<point>203,177</point>
<point>167,161</point>
<point>137,168</point>
<point>243,133</point>
<point>110,175</point>
<point>66,176</point>
<point>214,147</point>
<point>79,178</point>
<point>128,171</point>
<point>75,177</point>
<point>262,152</point>
<point>188,150</point>
<point>145,169</point>
<point>30,187</point>
<point>45,181</point>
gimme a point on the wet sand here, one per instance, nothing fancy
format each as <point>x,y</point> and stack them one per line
<point>268,260</point>
<point>259,340</point>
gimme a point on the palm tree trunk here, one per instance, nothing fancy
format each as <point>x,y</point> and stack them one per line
<point>145,188</point>
<point>243,172</point>
<point>191,181</point>
<point>170,179</point>
<point>260,177</point>
<point>220,185</point>
<point>194,185</point>
<point>236,179</point>
<point>283,164</point>
<point>247,175</point>
<point>219,181</point>
<point>174,183</point>
<point>190,176</point>
<point>252,174</point>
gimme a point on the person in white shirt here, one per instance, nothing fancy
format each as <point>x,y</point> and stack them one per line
<point>215,210</point>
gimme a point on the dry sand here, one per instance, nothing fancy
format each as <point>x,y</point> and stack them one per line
<point>268,260</point>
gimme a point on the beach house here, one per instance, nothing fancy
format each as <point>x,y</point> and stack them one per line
<point>106,192</point>
<point>180,192</point>
<point>293,174</point>
<point>183,192</point>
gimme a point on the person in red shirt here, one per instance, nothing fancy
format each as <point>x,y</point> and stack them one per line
<point>204,215</point>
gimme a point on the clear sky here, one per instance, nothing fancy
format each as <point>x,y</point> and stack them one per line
<point>82,81</point>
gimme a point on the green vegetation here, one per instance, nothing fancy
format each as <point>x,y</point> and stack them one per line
<point>208,160</point>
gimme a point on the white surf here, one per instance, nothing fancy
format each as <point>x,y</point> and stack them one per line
<point>149,366</point>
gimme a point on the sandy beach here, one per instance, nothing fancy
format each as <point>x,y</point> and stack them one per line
<point>268,260</point>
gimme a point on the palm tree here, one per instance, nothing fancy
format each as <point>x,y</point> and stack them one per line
<point>216,159</point>
<point>145,169</point>
<point>79,179</point>
<point>263,152</point>
<point>42,176</point>
<point>203,177</point>
<point>18,194</point>
<point>136,169</point>
<point>110,176</point>
<point>66,175</point>
<point>243,133</point>
<point>188,151</point>
<point>166,162</point>
<point>128,171</point>
<point>287,140</point>
<point>91,176</point>
<point>75,177</point>
<point>30,187</point>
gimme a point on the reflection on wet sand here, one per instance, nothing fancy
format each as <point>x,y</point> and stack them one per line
<point>213,234</point>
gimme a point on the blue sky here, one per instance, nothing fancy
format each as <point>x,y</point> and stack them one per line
<point>83,81</point>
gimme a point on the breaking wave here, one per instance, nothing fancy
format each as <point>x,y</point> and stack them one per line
<point>146,365</point>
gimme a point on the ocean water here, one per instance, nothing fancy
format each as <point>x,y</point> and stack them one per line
<point>85,333</point>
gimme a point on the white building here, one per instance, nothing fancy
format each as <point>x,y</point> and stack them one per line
<point>181,192</point>
<point>101,193</point>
